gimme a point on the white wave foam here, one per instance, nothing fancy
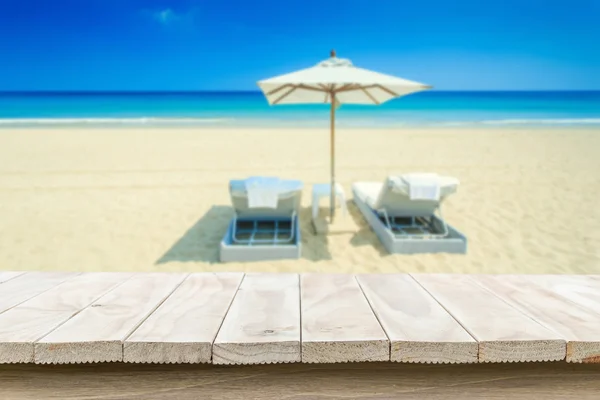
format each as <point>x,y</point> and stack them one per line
<point>543,121</point>
<point>267,122</point>
<point>565,121</point>
<point>111,121</point>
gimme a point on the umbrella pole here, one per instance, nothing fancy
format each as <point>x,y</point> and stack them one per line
<point>332,139</point>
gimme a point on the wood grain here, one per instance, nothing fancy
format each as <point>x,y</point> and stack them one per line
<point>419,329</point>
<point>338,324</point>
<point>6,276</point>
<point>97,333</point>
<point>579,326</point>
<point>153,317</point>
<point>547,381</point>
<point>24,324</point>
<point>24,287</point>
<point>583,290</point>
<point>183,328</point>
<point>504,333</point>
<point>263,322</point>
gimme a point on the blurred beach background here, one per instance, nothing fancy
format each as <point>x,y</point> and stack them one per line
<point>103,182</point>
<point>122,122</point>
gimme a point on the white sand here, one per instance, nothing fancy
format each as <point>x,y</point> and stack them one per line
<point>157,199</point>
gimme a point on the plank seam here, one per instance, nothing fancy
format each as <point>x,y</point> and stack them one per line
<point>160,303</point>
<point>120,341</point>
<point>16,276</point>
<point>480,342</point>
<point>87,306</point>
<point>518,308</point>
<point>212,344</point>
<point>44,291</point>
<point>448,311</point>
<point>376,316</point>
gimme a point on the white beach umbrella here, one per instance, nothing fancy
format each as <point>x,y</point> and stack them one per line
<point>336,81</point>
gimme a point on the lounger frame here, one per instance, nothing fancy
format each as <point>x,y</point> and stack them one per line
<point>449,240</point>
<point>260,249</point>
<point>262,234</point>
<point>262,226</point>
<point>425,225</point>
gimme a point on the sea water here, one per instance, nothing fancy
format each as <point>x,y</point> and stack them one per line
<point>430,108</point>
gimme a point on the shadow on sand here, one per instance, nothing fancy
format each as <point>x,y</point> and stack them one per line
<point>202,240</point>
<point>318,244</point>
<point>364,236</point>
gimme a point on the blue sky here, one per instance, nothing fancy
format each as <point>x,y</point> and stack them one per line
<point>229,45</point>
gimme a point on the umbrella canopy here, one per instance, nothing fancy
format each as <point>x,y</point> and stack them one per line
<point>336,81</point>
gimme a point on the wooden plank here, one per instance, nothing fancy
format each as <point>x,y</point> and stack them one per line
<point>97,333</point>
<point>583,291</point>
<point>579,326</point>
<point>262,325</point>
<point>6,276</point>
<point>183,328</point>
<point>419,329</point>
<point>22,325</point>
<point>24,287</point>
<point>504,333</point>
<point>338,324</point>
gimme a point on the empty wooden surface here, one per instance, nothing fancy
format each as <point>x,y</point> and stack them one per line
<point>338,324</point>
<point>547,381</point>
<point>314,318</point>
<point>579,326</point>
<point>24,287</point>
<point>183,328</point>
<point>263,322</point>
<point>24,324</point>
<point>97,333</point>
<point>8,275</point>
<point>419,328</point>
<point>504,333</point>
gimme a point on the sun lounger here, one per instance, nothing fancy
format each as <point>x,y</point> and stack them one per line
<point>405,213</point>
<point>265,222</point>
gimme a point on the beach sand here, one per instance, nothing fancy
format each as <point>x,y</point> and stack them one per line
<point>156,199</point>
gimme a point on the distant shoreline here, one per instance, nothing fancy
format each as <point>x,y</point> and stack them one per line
<point>250,108</point>
<point>124,123</point>
<point>289,128</point>
<point>252,92</point>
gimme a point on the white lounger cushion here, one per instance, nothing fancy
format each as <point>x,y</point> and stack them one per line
<point>288,199</point>
<point>287,187</point>
<point>263,192</point>
<point>394,196</point>
<point>421,186</point>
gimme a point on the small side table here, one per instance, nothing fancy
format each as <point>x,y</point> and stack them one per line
<point>324,190</point>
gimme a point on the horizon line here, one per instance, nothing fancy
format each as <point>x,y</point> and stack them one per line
<point>214,91</point>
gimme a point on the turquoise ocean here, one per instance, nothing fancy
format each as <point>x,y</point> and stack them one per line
<point>431,108</point>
